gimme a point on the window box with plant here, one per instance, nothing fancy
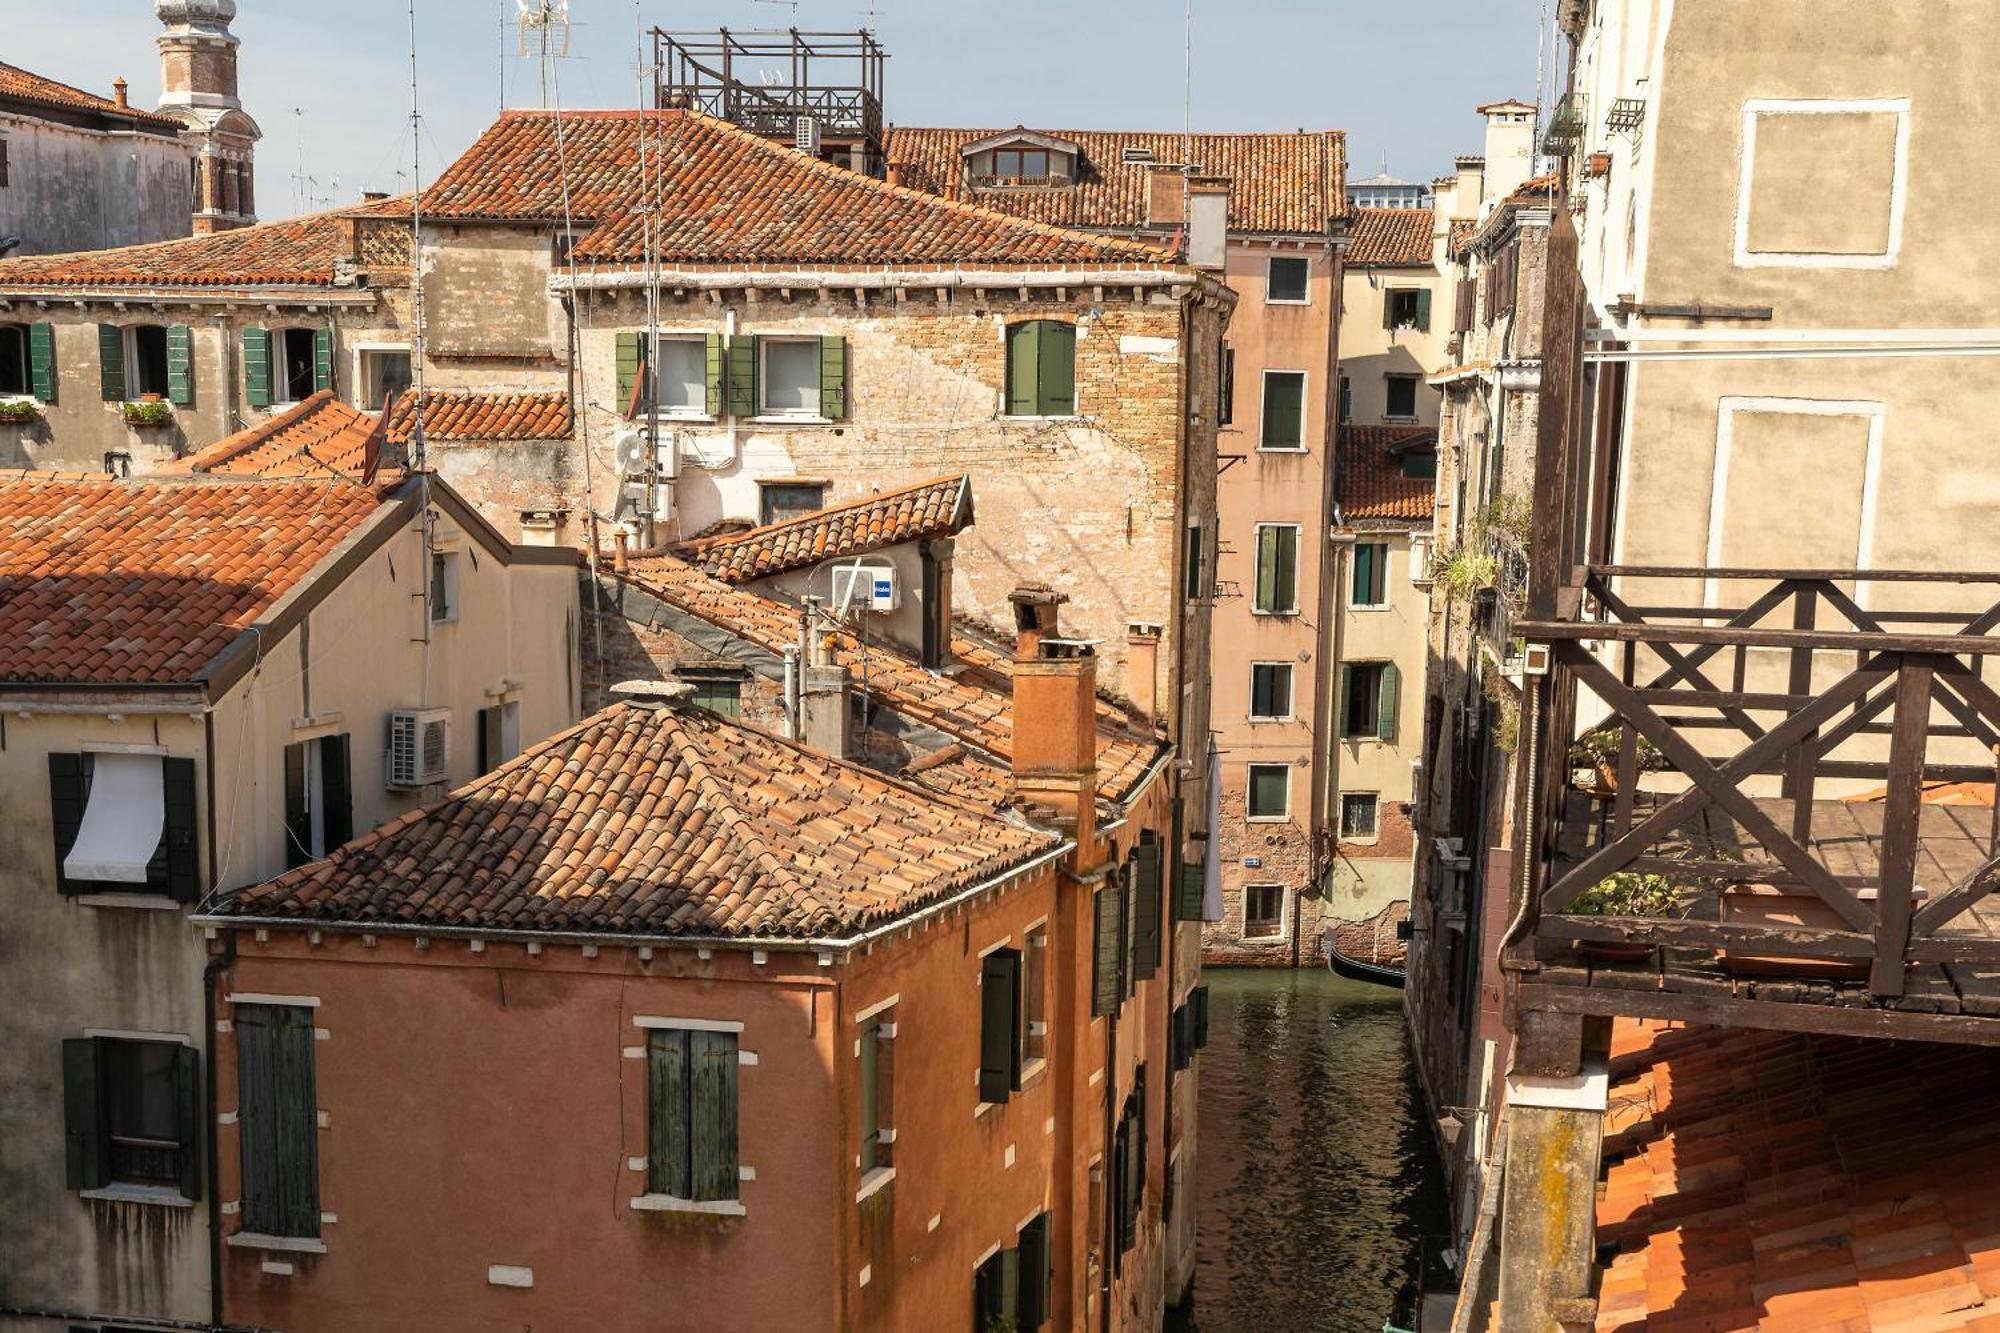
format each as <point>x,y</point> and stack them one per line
<point>1627,893</point>
<point>149,412</point>
<point>18,411</point>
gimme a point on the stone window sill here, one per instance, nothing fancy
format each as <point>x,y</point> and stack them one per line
<point>790,419</point>
<point>157,1194</point>
<point>251,1240</point>
<point>667,1203</point>
<point>874,1181</point>
<point>150,902</point>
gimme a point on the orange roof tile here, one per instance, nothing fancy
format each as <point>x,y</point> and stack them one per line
<point>474,415</point>
<point>1279,183</point>
<point>659,821</point>
<point>1370,478</point>
<point>147,581</point>
<point>728,196</point>
<point>320,437</point>
<point>936,508</point>
<point>1389,237</point>
<point>1782,1181</point>
<point>974,706</point>
<point>19,83</point>
<point>298,252</point>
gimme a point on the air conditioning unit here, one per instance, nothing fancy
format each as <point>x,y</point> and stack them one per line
<point>865,588</point>
<point>419,746</point>
<point>631,452</point>
<point>805,135</point>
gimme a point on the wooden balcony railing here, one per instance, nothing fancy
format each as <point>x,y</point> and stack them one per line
<point>1776,745</point>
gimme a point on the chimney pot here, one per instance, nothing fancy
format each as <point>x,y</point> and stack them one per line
<point>621,554</point>
<point>119,89</point>
<point>1034,618</point>
<point>373,196</point>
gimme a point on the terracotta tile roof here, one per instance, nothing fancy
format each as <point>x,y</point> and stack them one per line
<point>974,706</point>
<point>1279,183</point>
<point>659,821</point>
<point>1389,237</point>
<point>935,508</point>
<point>1782,1181</point>
<point>1369,474</point>
<point>1462,230</point>
<point>320,437</point>
<point>297,252</point>
<point>1537,190</point>
<point>728,196</point>
<point>147,581</point>
<point>463,414</point>
<point>16,82</point>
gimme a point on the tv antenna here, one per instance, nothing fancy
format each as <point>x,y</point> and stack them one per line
<point>792,5</point>
<point>543,32</point>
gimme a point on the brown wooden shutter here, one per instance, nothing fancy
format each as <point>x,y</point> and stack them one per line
<point>667,1131</point>
<point>277,1119</point>
<point>1104,995</point>
<point>1146,887</point>
<point>1191,890</point>
<point>336,784</point>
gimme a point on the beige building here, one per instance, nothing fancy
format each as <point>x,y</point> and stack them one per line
<point>1395,317</point>
<point>203,681</point>
<point>1262,211</point>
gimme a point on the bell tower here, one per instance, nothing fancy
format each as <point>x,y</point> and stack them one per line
<point>198,88</point>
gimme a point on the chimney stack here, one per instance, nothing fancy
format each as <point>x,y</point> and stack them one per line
<point>1055,717</point>
<point>119,88</point>
<point>1142,668</point>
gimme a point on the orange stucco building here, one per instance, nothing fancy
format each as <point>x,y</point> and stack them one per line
<point>674,1022</point>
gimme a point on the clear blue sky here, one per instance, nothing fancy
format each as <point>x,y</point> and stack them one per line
<point>1400,78</point>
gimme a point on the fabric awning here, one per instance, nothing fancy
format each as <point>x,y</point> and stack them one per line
<point>123,821</point>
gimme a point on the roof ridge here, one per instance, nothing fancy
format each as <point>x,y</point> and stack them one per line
<point>230,447</point>
<point>988,130</point>
<point>811,516</point>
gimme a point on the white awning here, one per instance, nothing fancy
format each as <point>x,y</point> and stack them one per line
<point>123,821</point>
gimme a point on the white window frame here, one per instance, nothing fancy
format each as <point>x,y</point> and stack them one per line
<point>1270,262</point>
<point>1298,551</point>
<point>766,412</point>
<point>1291,693</point>
<point>1284,913</point>
<point>1341,818</point>
<point>357,362</point>
<point>1249,790</point>
<point>1263,397</point>
<point>1899,179</point>
<point>1416,397</point>
<point>699,412</point>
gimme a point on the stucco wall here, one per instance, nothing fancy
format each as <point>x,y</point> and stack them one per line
<point>1368,352</point>
<point>72,188</point>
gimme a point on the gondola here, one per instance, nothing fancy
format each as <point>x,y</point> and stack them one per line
<point>1356,969</point>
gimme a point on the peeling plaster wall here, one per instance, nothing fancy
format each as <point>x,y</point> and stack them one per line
<point>71,188</point>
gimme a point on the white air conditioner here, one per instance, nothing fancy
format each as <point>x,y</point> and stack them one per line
<point>865,588</point>
<point>419,746</point>
<point>631,453</point>
<point>805,135</point>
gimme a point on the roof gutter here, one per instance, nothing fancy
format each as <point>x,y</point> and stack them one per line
<point>826,944</point>
<point>896,279</point>
<point>221,294</point>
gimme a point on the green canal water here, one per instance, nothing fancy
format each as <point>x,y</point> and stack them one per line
<point>1317,1183</point>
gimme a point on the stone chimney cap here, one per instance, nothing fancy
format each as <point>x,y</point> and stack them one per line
<point>118,91</point>
<point>654,693</point>
<point>1037,594</point>
<point>1065,648</point>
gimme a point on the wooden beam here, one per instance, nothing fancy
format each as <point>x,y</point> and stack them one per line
<point>1772,1015</point>
<point>1961,896</point>
<point>1900,815</point>
<point>1786,941</point>
<point>1722,636</point>
<point>1729,572</point>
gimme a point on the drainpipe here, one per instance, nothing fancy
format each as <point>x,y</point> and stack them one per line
<point>1110,1136</point>
<point>791,697</point>
<point>1337,567</point>
<point>215,966</point>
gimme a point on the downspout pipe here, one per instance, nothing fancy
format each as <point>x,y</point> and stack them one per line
<point>217,965</point>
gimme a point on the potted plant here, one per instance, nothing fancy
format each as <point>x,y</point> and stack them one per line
<point>998,1323</point>
<point>1598,749</point>
<point>152,411</point>
<point>18,411</point>
<point>1626,893</point>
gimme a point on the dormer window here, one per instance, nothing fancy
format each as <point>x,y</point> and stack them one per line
<point>1021,165</point>
<point>1020,160</point>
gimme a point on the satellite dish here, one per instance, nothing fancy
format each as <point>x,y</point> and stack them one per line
<point>631,454</point>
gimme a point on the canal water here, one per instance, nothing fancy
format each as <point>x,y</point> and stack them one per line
<point>1317,1183</point>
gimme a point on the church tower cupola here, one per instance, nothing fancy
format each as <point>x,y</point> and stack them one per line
<point>198,88</point>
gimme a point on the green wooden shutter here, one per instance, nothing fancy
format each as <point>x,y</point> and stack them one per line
<point>718,375</point>
<point>181,840</point>
<point>298,820</point>
<point>1146,864</point>
<point>1104,995</point>
<point>111,362</point>
<point>1056,377</point>
<point>1423,310</point>
<point>712,1062</point>
<point>1284,399</point>
<point>668,1133</point>
<point>999,1024</point>
<point>277,1120</point>
<point>631,355</point>
<point>86,1147</point>
<point>1225,409</point>
<point>743,376</point>
<point>1286,592</point>
<point>1037,1265</point>
<point>1362,590</point>
<point>1385,703</point>
<point>1344,705</point>
<point>1389,308</point>
<point>323,357</point>
<point>257,367</point>
<point>1010,1284</point>
<point>180,365</point>
<point>1193,890</point>
<point>336,786</point>
<point>833,378</point>
<point>188,1098</point>
<point>1128,930</point>
<point>42,361</point>
<point>1024,368</point>
<point>69,787</point>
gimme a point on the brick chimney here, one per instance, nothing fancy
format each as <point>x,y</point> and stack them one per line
<point>119,92</point>
<point>1055,716</point>
<point>1142,668</point>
